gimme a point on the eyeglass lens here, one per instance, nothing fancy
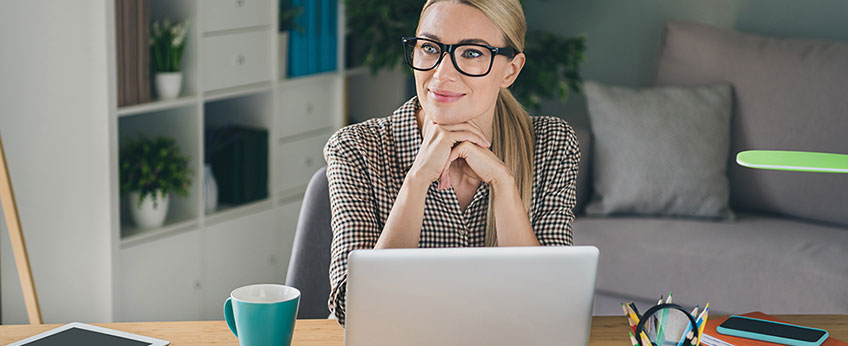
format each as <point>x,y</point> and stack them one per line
<point>470,59</point>
<point>668,327</point>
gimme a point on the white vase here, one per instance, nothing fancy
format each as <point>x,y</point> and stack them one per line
<point>151,214</point>
<point>210,190</point>
<point>168,84</point>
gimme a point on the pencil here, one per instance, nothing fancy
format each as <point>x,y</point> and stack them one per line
<point>705,315</point>
<point>634,309</point>
<point>633,339</point>
<point>689,337</point>
<point>634,317</point>
<point>686,337</point>
<point>645,340</point>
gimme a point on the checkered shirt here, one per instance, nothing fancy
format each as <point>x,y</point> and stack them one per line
<point>366,166</point>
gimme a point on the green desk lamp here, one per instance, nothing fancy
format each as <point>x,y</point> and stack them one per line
<point>801,161</point>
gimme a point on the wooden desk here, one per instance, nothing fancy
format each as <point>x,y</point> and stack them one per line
<point>606,330</point>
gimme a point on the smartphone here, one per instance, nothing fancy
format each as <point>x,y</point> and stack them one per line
<point>777,332</point>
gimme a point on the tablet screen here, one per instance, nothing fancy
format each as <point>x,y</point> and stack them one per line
<point>82,337</point>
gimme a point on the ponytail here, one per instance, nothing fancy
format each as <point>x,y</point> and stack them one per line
<point>513,142</point>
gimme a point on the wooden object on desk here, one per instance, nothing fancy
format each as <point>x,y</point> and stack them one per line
<point>13,223</point>
<point>606,330</point>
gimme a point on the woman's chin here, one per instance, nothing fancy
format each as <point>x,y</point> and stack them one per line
<point>445,114</point>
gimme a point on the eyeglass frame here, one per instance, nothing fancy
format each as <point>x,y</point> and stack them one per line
<point>640,327</point>
<point>451,48</point>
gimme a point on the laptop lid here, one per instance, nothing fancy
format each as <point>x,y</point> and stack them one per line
<point>471,296</point>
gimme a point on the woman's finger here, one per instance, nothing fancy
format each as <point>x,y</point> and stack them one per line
<point>466,136</point>
<point>466,127</point>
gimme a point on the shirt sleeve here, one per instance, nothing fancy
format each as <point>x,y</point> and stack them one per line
<point>558,187</point>
<point>354,215</point>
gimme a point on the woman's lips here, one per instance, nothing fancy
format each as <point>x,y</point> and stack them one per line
<point>444,96</point>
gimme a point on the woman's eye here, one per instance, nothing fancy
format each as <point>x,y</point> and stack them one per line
<point>430,49</point>
<point>471,54</point>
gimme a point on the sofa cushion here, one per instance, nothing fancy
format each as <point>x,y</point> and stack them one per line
<point>584,172</point>
<point>789,95</point>
<point>660,151</point>
<point>770,264</point>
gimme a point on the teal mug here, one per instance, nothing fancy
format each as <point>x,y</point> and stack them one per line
<point>262,314</point>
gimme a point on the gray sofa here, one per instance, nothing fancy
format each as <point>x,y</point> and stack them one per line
<point>787,249</point>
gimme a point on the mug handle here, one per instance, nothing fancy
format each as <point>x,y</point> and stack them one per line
<point>228,315</point>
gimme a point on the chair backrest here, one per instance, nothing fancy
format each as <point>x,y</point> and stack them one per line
<point>310,259</point>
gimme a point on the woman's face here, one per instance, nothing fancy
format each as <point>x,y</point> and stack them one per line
<point>446,95</point>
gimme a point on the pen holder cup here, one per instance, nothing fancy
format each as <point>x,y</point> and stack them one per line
<point>667,325</point>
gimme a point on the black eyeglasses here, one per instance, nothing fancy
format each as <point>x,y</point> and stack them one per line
<point>470,59</point>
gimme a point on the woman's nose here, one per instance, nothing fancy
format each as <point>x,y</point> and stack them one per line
<point>446,69</point>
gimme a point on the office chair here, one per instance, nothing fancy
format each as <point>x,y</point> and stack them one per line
<point>310,259</point>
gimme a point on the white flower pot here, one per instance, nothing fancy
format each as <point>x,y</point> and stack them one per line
<point>151,214</point>
<point>168,84</point>
<point>210,190</point>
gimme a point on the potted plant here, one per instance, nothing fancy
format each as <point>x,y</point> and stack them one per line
<point>167,42</point>
<point>287,23</point>
<point>552,66</point>
<point>151,170</point>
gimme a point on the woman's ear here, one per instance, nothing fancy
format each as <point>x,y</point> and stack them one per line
<point>513,69</point>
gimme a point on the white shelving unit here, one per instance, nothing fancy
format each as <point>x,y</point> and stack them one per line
<point>187,268</point>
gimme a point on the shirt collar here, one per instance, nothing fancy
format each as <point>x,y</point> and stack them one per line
<point>406,134</point>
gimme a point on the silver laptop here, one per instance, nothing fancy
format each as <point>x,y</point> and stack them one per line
<point>471,296</point>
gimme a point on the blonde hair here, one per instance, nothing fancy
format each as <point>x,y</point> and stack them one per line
<point>512,129</point>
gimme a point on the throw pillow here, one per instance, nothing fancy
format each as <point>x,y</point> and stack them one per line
<point>660,151</point>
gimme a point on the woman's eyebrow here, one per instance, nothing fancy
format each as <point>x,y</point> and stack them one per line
<point>465,40</point>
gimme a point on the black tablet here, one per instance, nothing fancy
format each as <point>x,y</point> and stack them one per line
<point>79,334</point>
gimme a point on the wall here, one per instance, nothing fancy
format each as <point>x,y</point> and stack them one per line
<point>376,96</point>
<point>53,122</point>
<point>623,36</point>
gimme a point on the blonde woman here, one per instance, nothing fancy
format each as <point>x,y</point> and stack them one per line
<point>462,164</point>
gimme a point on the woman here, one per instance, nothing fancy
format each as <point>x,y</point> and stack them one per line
<point>461,164</point>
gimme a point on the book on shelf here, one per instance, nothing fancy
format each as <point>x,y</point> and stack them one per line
<point>143,52</point>
<point>119,49</point>
<point>132,33</point>
<point>314,49</point>
<point>328,50</point>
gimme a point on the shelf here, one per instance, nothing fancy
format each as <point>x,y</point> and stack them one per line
<point>131,236</point>
<point>291,194</point>
<point>295,81</point>
<point>237,91</point>
<point>236,31</point>
<point>324,131</point>
<point>232,212</point>
<point>157,106</point>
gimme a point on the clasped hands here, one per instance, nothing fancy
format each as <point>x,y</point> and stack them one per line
<point>464,145</point>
